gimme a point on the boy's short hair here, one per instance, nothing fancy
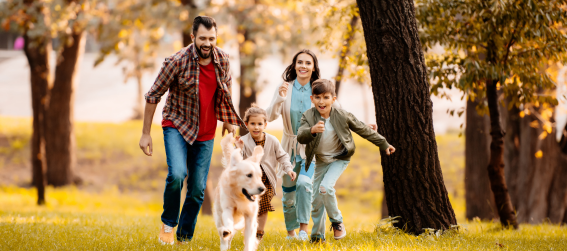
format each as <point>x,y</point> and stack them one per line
<point>321,86</point>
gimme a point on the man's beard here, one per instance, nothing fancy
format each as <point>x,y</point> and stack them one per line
<point>201,53</point>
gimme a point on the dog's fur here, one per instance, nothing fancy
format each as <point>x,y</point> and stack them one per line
<point>237,195</point>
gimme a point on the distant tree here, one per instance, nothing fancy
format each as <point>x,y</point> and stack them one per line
<point>413,180</point>
<point>495,46</point>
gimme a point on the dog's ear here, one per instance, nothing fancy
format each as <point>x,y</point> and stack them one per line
<point>257,154</point>
<point>235,157</point>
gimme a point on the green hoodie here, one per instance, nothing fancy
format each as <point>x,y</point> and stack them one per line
<point>343,122</point>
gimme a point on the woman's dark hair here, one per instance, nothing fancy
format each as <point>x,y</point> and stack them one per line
<point>290,74</point>
<point>208,22</point>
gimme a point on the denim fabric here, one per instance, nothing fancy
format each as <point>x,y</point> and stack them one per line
<point>297,195</point>
<point>300,102</point>
<point>326,176</point>
<point>184,160</point>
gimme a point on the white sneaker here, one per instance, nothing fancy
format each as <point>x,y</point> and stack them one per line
<point>291,237</point>
<point>302,236</point>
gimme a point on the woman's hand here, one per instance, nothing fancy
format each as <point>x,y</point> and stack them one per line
<point>292,174</point>
<point>283,89</point>
<point>390,150</point>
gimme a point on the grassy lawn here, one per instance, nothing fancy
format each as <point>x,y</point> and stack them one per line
<point>77,220</point>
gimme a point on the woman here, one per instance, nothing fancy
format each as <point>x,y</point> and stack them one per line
<point>290,101</point>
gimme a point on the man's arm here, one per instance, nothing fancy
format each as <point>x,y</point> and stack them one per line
<point>146,140</point>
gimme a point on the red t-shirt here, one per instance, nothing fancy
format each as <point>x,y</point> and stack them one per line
<point>207,116</point>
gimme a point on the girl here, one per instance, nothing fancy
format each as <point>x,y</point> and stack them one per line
<point>255,120</point>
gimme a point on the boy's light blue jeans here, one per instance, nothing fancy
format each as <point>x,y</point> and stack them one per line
<point>326,176</point>
<point>184,160</point>
<point>297,195</point>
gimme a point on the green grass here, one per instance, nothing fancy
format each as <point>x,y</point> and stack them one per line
<point>77,220</point>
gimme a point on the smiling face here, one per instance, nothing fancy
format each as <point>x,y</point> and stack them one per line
<point>304,66</point>
<point>256,125</point>
<point>205,40</point>
<point>323,102</point>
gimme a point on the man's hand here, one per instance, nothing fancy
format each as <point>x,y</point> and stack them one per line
<point>319,127</point>
<point>390,150</point>
<point>292,174</point>
<point>145,143</point>
<point>374,127</point>
<point>228,127</point>
<point>283,89</point>
<point>239,143</point>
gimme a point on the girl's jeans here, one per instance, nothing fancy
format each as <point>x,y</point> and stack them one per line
<point>184,160</point>
<point>326,176</point>
<point>297,195</point>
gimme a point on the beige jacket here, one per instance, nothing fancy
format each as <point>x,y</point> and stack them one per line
<point>274,157</point>
<point>281,106</point>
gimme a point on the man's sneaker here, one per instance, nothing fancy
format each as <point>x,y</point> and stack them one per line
<point>166,235</point>
<point>317,240</point>
<point>302,236</point>
<point>339,230</point>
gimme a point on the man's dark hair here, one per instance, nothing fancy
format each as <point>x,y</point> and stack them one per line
<point>321,86</point>
<point>290,74</point>
<point>208,22</point>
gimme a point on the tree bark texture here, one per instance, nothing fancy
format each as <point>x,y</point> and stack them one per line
<point>384,207</point>
<point>38,60</point>
<point>413,180</point>
<point>511,121</point>
<point>60,137</point>
<point>248,77</point>
<point>496,162</point>
<point>478,196</point>
<point>345,49</point>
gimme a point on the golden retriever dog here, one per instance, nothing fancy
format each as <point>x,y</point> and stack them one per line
<point>237,195</point>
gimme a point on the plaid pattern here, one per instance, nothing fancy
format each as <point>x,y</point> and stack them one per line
<point>265,200</point>
<point>180,75</point>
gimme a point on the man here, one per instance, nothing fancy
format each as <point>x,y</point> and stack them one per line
<point>199,83</point>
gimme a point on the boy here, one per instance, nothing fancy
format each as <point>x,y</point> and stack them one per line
<point>326,132</point>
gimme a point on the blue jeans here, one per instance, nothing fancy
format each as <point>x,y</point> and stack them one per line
<point>326,176</point>
<point>184,160</point>
<point>297,195</point>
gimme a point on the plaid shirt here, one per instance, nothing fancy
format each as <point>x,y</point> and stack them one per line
<point>180,75</point>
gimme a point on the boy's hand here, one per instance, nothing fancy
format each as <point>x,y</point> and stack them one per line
<point>319,127</point>
<point>390,150</point>
<point>283,89</point>
<point>292,174</point>
<point>239,143</point>
<point>374,127</point>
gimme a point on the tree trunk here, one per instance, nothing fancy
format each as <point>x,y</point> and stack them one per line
<point>60,137</point>
<point>511,121</point>
<point>140,101</point>
<point>384,207</point>
<point>38,60</point>
<point>496,162</point>
<point>478,197</point>
<point>412,175</point>
<point>248,77</point>
<point>349,36</point>
<point>193,12</point>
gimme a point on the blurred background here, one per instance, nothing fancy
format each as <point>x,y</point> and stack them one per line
<point>86,65</point>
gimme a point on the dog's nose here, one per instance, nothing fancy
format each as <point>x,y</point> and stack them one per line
<point>261,189</point>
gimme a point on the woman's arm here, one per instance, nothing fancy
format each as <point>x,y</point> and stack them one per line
<point>276,106</point>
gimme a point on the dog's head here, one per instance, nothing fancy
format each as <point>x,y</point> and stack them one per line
<point>246,175</point>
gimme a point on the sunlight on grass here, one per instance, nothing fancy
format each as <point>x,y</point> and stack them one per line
<point>74,219</point>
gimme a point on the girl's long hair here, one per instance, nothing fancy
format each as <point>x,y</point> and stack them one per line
<point>290,74</point>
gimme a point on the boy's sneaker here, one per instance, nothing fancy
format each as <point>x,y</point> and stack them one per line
<point>317,240</point>
<point>166,235</point>
<point>340,231</point>
<point>302,236</point>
